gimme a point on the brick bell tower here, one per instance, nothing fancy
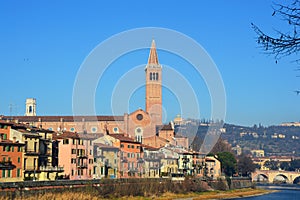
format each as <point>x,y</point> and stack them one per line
<point>153,87</point>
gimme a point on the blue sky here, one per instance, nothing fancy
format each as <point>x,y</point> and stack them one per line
<point>44,43</point>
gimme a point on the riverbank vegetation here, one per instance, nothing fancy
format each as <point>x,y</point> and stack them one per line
<point>165,196</point>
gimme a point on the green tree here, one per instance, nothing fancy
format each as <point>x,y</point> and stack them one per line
<point>295,165</point>
<point>272,164</point>
<point>285,166</point>
<point>228,163</point>
<point>245,165</point>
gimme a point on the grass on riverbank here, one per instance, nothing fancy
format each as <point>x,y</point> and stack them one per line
<point>166,196</point>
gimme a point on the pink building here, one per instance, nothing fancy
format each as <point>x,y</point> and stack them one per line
<point>75,155</point>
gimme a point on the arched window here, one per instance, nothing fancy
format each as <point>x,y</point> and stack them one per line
<point>156,76</point>
<point>150,76</point>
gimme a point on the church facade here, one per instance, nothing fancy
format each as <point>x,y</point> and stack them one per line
<point>144,126</point>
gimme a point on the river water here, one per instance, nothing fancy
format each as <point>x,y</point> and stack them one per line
<point>288,192</point>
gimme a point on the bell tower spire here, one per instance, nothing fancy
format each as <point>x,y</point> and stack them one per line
<point>153,73</point>
<point>153,58</point>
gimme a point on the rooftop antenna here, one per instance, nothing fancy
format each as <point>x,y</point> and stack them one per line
<point>10,111</point>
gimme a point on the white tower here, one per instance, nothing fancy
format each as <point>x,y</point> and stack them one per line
<point>30,107</point>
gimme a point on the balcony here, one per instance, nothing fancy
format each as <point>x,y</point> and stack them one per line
<point>82,156</point>
<point>31,153</point>
<point>31,169</point>
<point>82,166</point>
<point>6,165</point>
<point>133,170</point>
<point>51,169</point>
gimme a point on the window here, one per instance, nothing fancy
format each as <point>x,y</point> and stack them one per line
<point>19,149</point>
<point>150,76</point>
<point>73,151</point>
<point>137,147</point>
<point>8,173</point>
<point>3,173</point>
<point>73,142</point>
<point>156,76</point>
<point>94,129</point>
<point>128,155</point>
<point>90,152</point>
<point>122,145</point>
<point>18,172</point>
<point>19,159</point>
<point>73,160</point>
<point>12,149</point>
<point>132,146</point>
<point>139,117</point>
<point>128,146</point>
<point>66,141</point>
<point>90,161</point>
<point>4,136</point>
<point>72,172</point>
<point>116,130</point>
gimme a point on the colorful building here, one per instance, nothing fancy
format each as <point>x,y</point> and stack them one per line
<point>73,156</point>
<point>106,161</point>
<point>11,155</point>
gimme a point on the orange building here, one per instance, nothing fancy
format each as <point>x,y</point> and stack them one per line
<point>131,156</point>
<point>11,155</point>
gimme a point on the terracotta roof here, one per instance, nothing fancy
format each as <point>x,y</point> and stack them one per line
<point>104,146</point>
<point>10,142</point>
<point>150,147</point>
<point>153,58</point>
<point>90,136</point>
<point>210,160</point>
<point>67,134</point>
<point>165,127</point>
<point>5,122</point>
<point>123,138</point>
<point>64,118</point>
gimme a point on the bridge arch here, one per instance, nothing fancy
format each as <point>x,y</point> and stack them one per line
<point>296,180</point>
<point>281,178</point>
<point>261,178</point>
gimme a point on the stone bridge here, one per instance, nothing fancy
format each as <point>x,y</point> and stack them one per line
<point>271,176</point>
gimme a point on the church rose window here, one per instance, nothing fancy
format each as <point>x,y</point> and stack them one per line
<point>139,117</point>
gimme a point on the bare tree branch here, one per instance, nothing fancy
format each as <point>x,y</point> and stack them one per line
<point>284,44</point>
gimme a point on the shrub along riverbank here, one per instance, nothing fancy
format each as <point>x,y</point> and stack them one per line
<point>120,188</point>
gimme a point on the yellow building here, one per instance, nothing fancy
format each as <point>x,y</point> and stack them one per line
<point>212,167</point>
<point>258,153</point>
<point>37,155</point>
